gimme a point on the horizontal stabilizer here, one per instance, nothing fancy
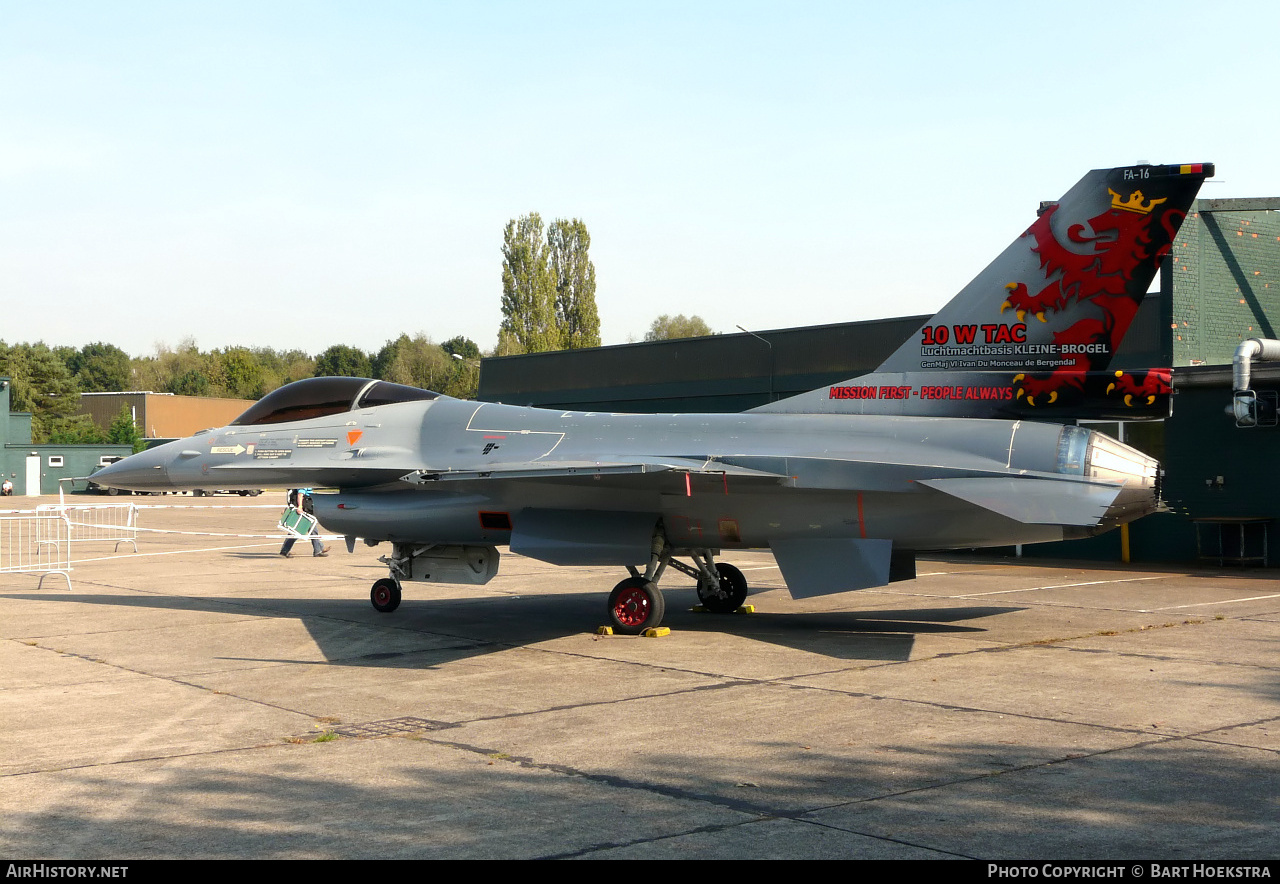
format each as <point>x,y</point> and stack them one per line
<point>826,565</point>
<point>1033,501</point>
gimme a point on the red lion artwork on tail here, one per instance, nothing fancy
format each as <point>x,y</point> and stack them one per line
<point>1118,241</point>
<point>1139,388</point>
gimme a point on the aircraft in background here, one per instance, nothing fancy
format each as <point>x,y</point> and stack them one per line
<point>844,484</point>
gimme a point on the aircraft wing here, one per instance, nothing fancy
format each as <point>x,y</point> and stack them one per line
<point>553,469</point>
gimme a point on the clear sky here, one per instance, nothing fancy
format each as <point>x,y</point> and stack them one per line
<point>300,174</point>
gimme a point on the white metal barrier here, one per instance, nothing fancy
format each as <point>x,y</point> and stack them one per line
<point>109,522</point>
<point>35,543</point>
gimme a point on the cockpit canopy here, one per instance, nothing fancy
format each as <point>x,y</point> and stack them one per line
<point>319,397</point>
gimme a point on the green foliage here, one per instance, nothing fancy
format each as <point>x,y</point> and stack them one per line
<point>101,368</point>
<point>575,280</point>
<point>190,383</point>
<point>464,357</point>
<point>77,429</point>
<point>124,431</point>
<point>280,367</point>
<point>42,384</point>
<point>460,346</point>
<point>158,373</point>
<point>241,374</point>
<point>47,381</point>
<point>528,291</point>
<point>414,361</point>
<point>233,373</point>
<point>343,361</point>
<point>548,288</point>
<point>666,327</point>
<point>68,355</point>
<point>464,380</point>
<point>381,362</point>
<point>507,344</point>
<point>418,362</point>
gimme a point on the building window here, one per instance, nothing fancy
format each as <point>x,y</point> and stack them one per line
<point>55,460</point>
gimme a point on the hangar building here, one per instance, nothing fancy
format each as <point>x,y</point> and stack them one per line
<point>37,469</point>
<point>163,415</point>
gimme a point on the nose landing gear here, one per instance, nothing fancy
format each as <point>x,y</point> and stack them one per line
<point>385,595</point>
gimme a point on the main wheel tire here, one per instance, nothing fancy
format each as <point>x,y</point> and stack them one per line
<point>636,605</point>
<point>385,595</point>
<point>733,591</point>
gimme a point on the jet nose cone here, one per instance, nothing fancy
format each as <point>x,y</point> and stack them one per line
<point>144,471</point>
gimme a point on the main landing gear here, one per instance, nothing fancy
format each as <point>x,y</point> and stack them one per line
<point>636,604</point>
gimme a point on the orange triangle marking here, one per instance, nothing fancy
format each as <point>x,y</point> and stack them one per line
<point>353,436</point>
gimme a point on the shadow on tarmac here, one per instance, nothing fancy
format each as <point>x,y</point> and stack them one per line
<point>429,632</point>
<point>984,799</point>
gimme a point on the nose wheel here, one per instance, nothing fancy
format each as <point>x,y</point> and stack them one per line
<point>385,595</point>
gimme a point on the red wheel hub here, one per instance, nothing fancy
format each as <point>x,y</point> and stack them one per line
<point>632,607</point>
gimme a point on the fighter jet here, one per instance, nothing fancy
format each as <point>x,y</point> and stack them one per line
<point>960,439</point>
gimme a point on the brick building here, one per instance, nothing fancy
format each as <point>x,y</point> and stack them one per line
<point>1225,273</point>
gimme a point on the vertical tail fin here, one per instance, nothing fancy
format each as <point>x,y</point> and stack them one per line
<point>1039,326</point>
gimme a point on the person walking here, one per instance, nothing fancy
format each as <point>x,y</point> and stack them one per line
<point>300,500</point>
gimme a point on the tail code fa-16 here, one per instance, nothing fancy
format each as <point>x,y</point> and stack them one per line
<point>933,450</point>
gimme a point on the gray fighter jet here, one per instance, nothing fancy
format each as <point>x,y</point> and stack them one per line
<point>939,448</point>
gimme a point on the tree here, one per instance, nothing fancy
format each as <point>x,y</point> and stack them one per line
<point>414,361</point>
<point>460,346</point>
<point>124,431</point>
<point>241,373</point>
<point>528,290</point>
<point>280,367</point>
<point>343,361</point>
<point>420,363</point>
<point>42,385</point>
<point>666,327</point>
<point>464,357</point>
<point>507,344</point>
<point>159,373</point>
<point>381,361</point>
<point>575,280</point>
<point>78,430</point>
<point>190,383</point>
<point>101,368</point>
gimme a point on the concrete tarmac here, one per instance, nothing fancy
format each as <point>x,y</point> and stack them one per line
<point>205,697</point>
